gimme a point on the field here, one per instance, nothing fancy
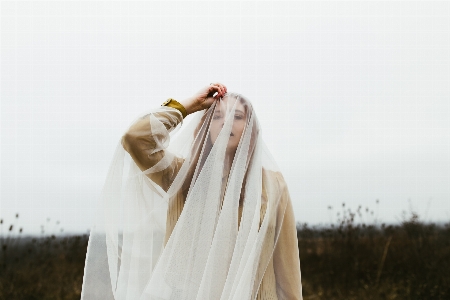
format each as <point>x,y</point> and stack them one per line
<point>409,260</point>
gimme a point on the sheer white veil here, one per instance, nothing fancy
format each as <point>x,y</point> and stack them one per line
<point>227,231</point>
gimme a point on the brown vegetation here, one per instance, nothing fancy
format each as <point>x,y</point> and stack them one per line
<point>410,260</point>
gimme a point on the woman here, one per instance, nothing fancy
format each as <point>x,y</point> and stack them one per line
<point>206,216</point>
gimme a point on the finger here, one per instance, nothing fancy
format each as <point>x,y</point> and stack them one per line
<point>221,87</point>
<point>224,88</point>
<point>214,91</point>
<point>218,95</point>
<point>217,85</point>
<point>217,88</point>
<point>222,91</point>
<point>214,88</point>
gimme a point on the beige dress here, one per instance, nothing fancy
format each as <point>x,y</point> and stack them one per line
<point>283,270</point>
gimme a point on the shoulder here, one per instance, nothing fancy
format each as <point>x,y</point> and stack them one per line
<point>274,179</point>
<point>274,188</point>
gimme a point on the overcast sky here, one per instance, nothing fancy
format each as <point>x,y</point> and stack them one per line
<point>353,98</point>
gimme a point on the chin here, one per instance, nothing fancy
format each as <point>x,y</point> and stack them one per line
<point>231,148</point>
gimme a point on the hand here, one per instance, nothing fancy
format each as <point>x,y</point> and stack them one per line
<point>204,98</point>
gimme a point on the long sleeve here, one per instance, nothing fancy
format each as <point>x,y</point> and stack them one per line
<point>286,256</point>
<point>146,141</point>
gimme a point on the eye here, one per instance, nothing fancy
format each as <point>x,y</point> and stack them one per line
<point>238,117</point>
<point>217,117</point>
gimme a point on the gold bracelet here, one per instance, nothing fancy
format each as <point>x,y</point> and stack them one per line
<point>175,104</point>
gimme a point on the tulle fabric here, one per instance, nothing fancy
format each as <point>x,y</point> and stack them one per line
<point>225,237</point>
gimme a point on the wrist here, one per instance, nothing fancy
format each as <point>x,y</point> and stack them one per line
<point>177,105</point>
<point>190,105</point>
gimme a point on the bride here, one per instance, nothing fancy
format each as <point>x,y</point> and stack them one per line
<point>197,213</point>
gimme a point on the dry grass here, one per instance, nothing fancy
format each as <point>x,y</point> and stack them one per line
<point>43,268</point>
<point>410,260</point>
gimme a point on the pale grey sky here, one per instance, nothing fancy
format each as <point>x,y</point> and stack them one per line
<point>353,97</point>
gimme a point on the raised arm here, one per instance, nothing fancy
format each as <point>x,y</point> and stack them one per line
<point>146,141</point>
<point>147,138</point>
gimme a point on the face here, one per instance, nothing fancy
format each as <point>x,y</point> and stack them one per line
<point>221,111</point>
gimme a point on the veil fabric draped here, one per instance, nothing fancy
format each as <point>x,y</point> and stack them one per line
<point>199,212</point>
